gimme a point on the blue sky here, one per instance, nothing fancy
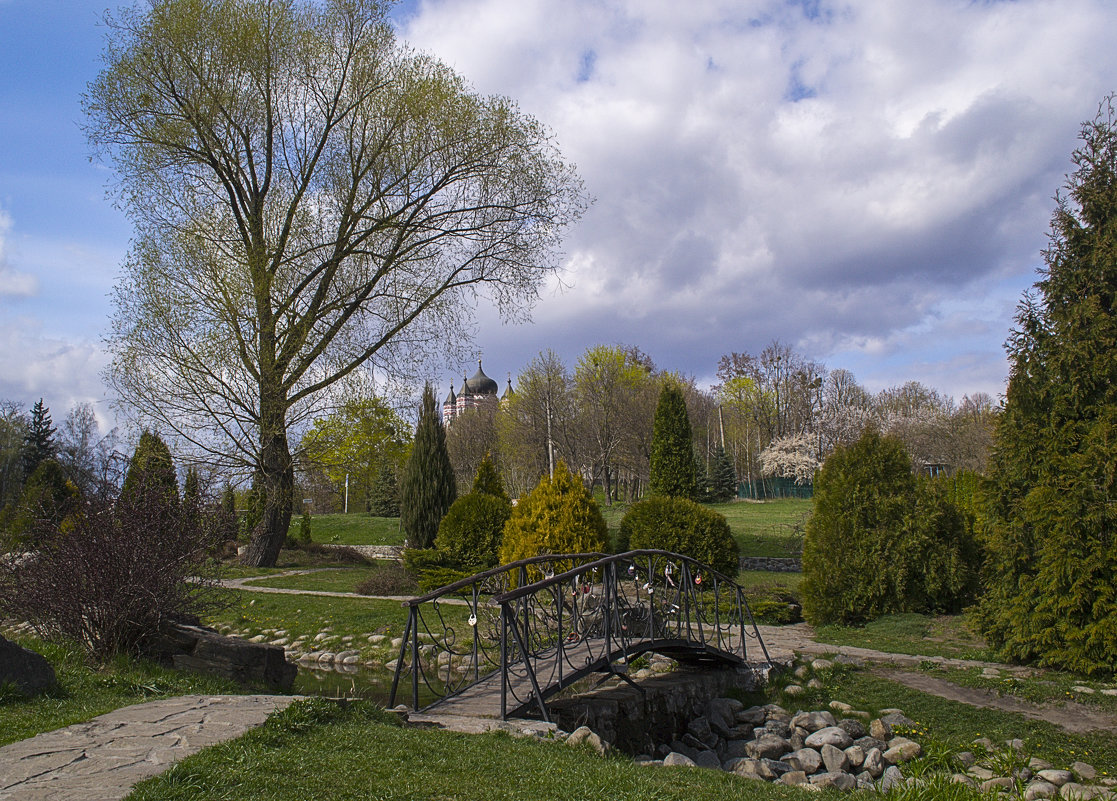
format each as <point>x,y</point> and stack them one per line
<point>869,182</point>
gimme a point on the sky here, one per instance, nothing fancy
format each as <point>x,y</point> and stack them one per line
<point>868,181</point>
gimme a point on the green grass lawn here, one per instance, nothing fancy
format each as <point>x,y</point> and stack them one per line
<point>1047,687</point>
<point>85,690</point>
<point>316,752</point>
<point>252,613</point>
<point>353,529</point>
<point>767,528</point>
<point>334,579</point>
<point>944,635</point>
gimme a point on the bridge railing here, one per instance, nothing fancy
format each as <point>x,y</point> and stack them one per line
<point>593,616</point>
<point>452,638</point>
<point>596,617</point>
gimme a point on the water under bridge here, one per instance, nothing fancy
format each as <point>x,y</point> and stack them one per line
<point>504,641</point>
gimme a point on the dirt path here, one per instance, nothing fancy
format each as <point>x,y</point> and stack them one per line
<point>1070,716</point>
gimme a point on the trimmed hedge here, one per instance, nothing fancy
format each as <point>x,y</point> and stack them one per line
<point>682,526</point>
<point>471,531</point>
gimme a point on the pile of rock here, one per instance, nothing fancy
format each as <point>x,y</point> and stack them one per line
<point>810,749</point>
<point>1037,778</point>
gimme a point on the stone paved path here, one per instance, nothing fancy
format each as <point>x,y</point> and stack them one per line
<point>101,759</point>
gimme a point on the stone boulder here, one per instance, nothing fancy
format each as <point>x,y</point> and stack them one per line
<point>831,735</point>
<point>203,650</point>
<point>24,669</point>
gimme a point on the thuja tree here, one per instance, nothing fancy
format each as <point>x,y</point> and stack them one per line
<point>309,196</point>
<point>151,467</point>
<point>428,486</point>
<point>672,459</point>
<point>558,516</point>
<point>1050,515</point>
<point>881,541</point>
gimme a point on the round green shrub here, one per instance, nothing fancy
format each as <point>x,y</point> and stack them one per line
<point>682,526</point>
<point>881,542</point>
<point>558,516</point>
<point>470,533</point>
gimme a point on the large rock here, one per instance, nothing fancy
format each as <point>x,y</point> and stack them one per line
<point>837,781</point>
<point>753,769</point>
<point>768,746</point>
<point>856,756</point>
<point>586,735</point>
<point>805,759</point>
<point>874,763</point>
<point>901,750</point>
<point>831,735</point>
<point>853,727</point>
<point>813,721</point>
<point>1040,789</point>
<point>203,650</point>
<point>28,671</point>
<point>1056,777</point>
<point>834,759</point>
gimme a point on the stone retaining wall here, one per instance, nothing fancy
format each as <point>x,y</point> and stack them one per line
<point>624,717</point>
<point>386,552</point>
<point>772,563</point>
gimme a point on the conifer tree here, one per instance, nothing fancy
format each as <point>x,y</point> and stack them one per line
<point>1050,516</point>
<point>723,479</point>
<point>191,498</point>
<point>383,499</point>
<point>151,468</point>
<point>672,467</point>
<point>38,444</point>
<point>487,480</point>
<point>428,486</point>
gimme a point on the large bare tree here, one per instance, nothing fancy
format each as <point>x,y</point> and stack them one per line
<point>309,197</point>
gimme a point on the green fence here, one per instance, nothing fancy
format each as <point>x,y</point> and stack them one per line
<point>766,489</point>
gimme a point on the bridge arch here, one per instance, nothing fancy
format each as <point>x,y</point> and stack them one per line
<point>504,641</point>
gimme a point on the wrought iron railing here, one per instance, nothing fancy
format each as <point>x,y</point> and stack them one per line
<point>538,637</point>
<point>453,634</point>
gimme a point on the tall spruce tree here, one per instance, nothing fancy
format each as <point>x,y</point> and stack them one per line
<point>1052,578</point>
<point>672,470</point>
<point>428,486</point>
<point>38,444</point>
<point>723,479</point>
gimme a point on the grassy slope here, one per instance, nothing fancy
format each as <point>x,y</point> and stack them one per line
<point>85,691</point>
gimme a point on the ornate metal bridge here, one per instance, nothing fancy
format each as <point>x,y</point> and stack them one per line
<point>513,636</point>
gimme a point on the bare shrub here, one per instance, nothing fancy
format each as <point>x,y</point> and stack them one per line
<point>388,579</point>
<point>122,573</point>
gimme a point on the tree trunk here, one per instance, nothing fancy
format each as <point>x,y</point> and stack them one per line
<point>279,484</point>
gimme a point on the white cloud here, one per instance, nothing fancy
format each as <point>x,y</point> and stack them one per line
<point>12,282</point>
<point>760,172</point>
<point>34,365</point>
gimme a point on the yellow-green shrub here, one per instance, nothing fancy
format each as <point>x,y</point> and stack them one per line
<point>558,516</point>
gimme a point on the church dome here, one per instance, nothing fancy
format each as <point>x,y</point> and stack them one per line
<point>480,384</point>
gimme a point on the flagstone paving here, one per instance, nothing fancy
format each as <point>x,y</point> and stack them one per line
<point>101,759</point>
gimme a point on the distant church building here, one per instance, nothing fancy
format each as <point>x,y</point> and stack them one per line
<point>474,392</point>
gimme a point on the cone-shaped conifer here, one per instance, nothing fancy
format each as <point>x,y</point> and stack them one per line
<point>672,468</point>
<point>428,486</point>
